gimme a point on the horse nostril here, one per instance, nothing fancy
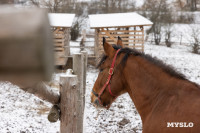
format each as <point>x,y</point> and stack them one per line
<point>96,102</point>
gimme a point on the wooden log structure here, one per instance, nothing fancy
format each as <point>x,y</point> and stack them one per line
<point>61,40</point>
<point>128,26</point>
<point>61,26</point>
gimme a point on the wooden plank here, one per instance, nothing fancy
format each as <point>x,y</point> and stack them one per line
<point>120,26</point>
<point>109,35</point>
<point>124,39</point>
<point>59,40</point>
<point>143,39</point>
<point>96,42</point>
<point>56,31</point>
<point>121,35</point>
<point>59,44</point>
<point>112,42</point>
<point>124,31</point>
<point>58,49</point>
<point>60,32</point>
<point>132,42</point>
<point>59,36</point>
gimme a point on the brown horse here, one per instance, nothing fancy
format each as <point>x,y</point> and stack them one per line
<point>166,101</point>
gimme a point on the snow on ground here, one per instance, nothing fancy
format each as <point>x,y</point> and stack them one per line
<point>21,112</point>
<point>89,43</point>
<point>180,33</point>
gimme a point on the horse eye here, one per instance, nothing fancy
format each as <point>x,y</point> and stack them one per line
<point>101,70</point>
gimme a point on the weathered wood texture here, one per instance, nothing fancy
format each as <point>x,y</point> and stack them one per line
<point>85,62</point>
<point>69,104</point>
<point>26,46</point>
<point>132,37</point>
<point>78,68</point>
<point>44,92</point>
<point>61,41</point>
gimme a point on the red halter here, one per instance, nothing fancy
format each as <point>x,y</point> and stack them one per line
<point>110,72</point>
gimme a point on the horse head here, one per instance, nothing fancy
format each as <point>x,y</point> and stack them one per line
<point>109,84</point>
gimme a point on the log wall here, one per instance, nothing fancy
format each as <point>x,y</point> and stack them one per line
<point>132,37</point>
<point>61,40</point>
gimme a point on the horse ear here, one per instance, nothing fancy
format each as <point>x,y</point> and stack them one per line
<point>109,50</point>
<point>119,42</point>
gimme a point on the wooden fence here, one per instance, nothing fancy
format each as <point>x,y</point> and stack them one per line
<point>32,48</point>
<point>68,105</point>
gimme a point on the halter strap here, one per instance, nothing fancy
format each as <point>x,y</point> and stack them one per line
<point>110,72</point>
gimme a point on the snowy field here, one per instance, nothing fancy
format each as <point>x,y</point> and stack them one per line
<point>21,112</point>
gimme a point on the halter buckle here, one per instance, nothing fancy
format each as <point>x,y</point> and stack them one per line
<point>111,71</point>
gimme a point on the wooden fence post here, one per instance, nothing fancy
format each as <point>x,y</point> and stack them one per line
<point>85,60</point>
<point>78,63</point>
<point>68,104</point>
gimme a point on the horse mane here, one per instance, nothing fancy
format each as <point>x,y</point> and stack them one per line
<point>127,51</point>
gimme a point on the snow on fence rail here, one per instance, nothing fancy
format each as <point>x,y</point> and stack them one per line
<point>27,60</point>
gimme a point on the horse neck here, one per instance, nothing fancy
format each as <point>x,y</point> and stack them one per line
<point>144,83</point>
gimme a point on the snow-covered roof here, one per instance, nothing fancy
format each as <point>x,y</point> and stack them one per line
<point>61,19</point>
<point>118,20</point>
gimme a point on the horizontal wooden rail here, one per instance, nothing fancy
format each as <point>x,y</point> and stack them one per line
<point>123,39</point>
<point>121,35</point>
<point>44,92</point>
<point>79,46</point>
<point>123,31</point>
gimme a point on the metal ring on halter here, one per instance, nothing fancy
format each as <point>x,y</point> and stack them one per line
<point>111,71</point>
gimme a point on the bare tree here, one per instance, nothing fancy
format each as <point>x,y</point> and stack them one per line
<point>111,6</point>
<point>106,5</point>
<point>35,2</point>
<point>53,5</point>
<point>168,31</point>
<point>159,14</point>
<point>195,39</point>
<point>181,4</point>
<point>192,4</point>
<point>168,34</point>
